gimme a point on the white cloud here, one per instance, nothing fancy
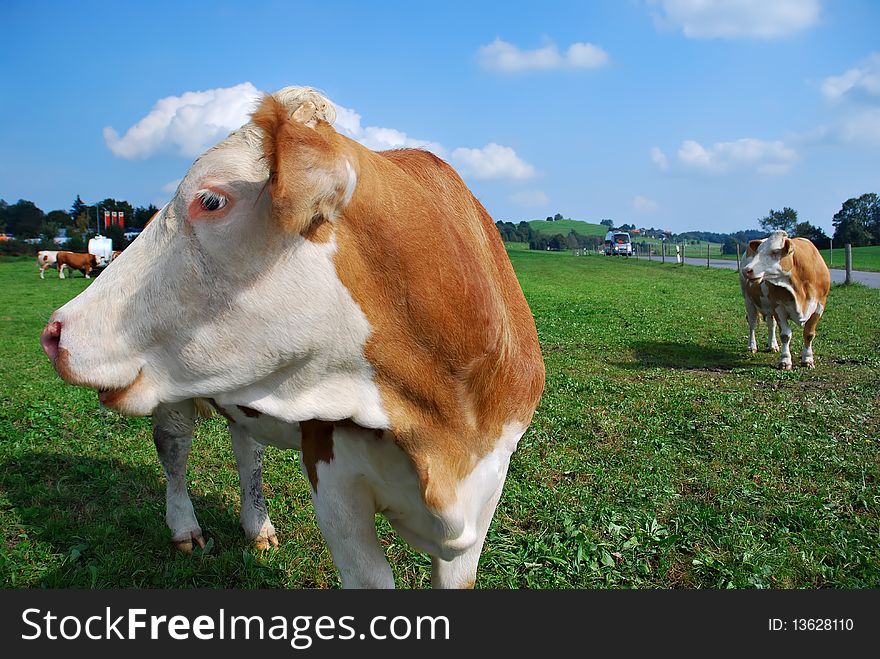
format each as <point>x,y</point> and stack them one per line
<point>171,186</point>
<point>644,205</point>
<point>190,123</point>
<point>864,78</point>
<point>530,198</point>
<point>501,56</point>
<point>761,19</point>
<point>862,127</point>
<point>659,158</point>
<point>493,161</point>
<point>348,122</point>
<point>764,157</point>
<point>185,124</point>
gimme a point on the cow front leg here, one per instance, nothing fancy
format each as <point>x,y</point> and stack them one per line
<point>772,345</point>
<point>785,362</point>
<point>809,335</point>
<point>255,520</point>
<point>345,507</point>
<point>461,571</point>
<point>61,271</point>
<point>172,434</point>
<point>752,317</point>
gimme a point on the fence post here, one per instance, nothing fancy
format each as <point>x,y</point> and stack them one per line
<point>683,254</point>
<point>649,251</point>
<point>737,258</point>
<point>708,246</point>
<point>848,263</point>
<point>663,252</point>
<point>831,250</point>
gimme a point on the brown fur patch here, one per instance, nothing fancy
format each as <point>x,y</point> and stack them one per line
<point>454,346</point>
<point>221,410</point>
<point>249,411</point>
<point>317,446</point>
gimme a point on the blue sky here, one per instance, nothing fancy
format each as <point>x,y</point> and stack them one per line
<point>678,114</point>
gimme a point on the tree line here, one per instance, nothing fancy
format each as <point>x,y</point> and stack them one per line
<point>857,223</point>
<point>27,222</point>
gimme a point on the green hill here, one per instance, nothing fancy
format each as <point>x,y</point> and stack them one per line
<point>564,226</point>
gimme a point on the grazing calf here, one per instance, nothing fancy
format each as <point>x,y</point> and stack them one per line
<point>356,305</point>
<point>46,258</point>
<point>85,263</point>
<point>784,280</point>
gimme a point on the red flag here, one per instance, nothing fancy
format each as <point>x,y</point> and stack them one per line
<point>106,219</point>
<point>122,220</point>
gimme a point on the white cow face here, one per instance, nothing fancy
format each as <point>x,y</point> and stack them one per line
<point>222,295</point>
<point>772,261</point>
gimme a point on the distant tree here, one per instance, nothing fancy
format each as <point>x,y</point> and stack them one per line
<point>558,217</point>
<point>607,223</point>
<point>784,220</point>
<point>812,233</point>
<point>557,242</point>
<point>858,221</point>
<point>729,245</point>
<point>76,208</point>
<point>142,215</point>
<point>572,239</point>
<point>24,219</point>
<point>549,219</point>
<point>524,231</point>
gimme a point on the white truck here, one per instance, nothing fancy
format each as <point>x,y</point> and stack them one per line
<point>618,243</point>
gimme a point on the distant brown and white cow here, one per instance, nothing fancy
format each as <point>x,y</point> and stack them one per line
<point>85,263</point>
<point>784,280</point>
<point>46,258</point>
<point>356,305</point>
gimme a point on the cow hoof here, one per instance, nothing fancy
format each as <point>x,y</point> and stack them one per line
<point>785,366</point>
<point>186,545</point>
<point>808,364</point>
<point>773,349</point>
<point>264,542</point>
<point>753,350</point>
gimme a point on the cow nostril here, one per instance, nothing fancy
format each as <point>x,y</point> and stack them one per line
<point>50,338</point>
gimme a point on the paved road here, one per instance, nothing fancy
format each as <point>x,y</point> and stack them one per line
<point>871,279</point>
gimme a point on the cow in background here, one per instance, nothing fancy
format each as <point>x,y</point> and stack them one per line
<point>85,263</point>
<point>47,258</point>
<point>784,280</point>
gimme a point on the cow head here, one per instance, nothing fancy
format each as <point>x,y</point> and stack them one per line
<point>771,259</point>
<point>230,292</point>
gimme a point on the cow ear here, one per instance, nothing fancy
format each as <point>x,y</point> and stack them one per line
<point>753,247</point>
<point>308,178</point>
<point>787,247</point>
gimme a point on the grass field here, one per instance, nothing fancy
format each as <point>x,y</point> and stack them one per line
<point>662,455</point>
<point>564,226</point>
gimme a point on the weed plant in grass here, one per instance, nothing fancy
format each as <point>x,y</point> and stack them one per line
<point>662,455</point>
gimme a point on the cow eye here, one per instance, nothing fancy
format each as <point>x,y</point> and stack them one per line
<point>211,201</point>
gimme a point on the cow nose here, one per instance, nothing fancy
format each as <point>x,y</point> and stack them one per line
<point>50,337</point>
<point>748,272</point>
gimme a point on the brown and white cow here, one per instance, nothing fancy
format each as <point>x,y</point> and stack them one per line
<point>85,263</point>
<point>356,305</point>
<point>46,258</point>
<point>784,280</point>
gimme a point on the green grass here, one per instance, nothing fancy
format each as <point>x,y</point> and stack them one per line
<point>863,258</point>
<point>564,226</point>
<point>662,455</point>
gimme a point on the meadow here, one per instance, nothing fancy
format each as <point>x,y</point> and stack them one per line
<point>662,454</point>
